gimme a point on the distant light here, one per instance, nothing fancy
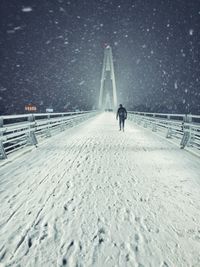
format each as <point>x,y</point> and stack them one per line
<point>106,45</point>
<point>27,9</point>
<point>30,107</point>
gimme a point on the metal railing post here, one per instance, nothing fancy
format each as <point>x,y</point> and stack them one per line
<point>48,132</point>
<point>2,150</point>
<point>154,128</point>
<point>31,138</point>
<point>185,141</point>
<point>169,132</point>
<point>62,128</point>
<point>139,120</point>
<point>145,124</point>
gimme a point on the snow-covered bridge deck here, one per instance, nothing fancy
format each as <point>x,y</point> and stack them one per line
<point>94,196</point>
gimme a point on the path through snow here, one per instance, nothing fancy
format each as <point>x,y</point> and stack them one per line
<point>94,196</point>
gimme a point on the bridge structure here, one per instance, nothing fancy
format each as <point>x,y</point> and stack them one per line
<point>108,91</point>
<point>76,191</point>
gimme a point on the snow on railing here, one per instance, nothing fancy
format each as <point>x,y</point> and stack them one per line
<point>19,131</point>
<point>185,128</point>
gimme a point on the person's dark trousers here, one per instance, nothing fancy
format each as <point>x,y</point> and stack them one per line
<point>121,123</point>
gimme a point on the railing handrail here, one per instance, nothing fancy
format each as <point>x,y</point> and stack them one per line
<point>18,116</point>
<point>187,129</point>
<point>165,114</point>
<point>15,134</point>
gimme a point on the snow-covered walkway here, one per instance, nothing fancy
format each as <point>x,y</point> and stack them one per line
<point>94,196</point>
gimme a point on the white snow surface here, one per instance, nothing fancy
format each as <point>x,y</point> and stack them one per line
<point>95,196</point>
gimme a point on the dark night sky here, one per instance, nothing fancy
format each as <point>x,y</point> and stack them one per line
<point>51,53</point>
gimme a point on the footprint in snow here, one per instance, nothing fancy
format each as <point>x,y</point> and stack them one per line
<point>98,170</point>
<point>137,237</point>
<point>44,233</point>
<point>164,264</point>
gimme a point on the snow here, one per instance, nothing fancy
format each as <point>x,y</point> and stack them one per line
<point>27,9</point>
<point>81,83</point>
<point>75,34</point>
<point>176,85</point>
<point>191,32</point>
<point>95,196</point>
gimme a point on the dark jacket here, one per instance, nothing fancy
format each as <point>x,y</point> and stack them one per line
<point>122,113</point>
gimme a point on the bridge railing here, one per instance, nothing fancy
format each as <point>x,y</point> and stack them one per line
<point>19,131</point>
<point>184,128</point>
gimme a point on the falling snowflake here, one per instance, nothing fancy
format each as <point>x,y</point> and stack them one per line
<point>138,61</point>
<point>27,9</point>
<point>17,28</point>
<point>10,31</point>
<point>191,31</point>
<point>2,89</point>
<point>82,82</point>
<point>62,9</point>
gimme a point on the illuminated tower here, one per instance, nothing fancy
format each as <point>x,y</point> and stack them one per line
<point>108,94</point>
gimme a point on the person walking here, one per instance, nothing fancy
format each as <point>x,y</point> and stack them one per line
<point>122,114</point>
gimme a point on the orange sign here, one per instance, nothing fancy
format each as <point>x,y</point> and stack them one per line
<point>30,107</point>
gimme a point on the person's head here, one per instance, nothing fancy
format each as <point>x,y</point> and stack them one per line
<point>120,105</point>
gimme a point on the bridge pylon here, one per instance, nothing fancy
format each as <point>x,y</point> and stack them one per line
<point>108,93</point>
